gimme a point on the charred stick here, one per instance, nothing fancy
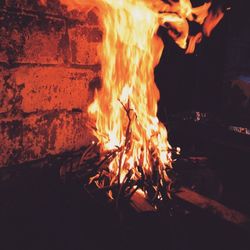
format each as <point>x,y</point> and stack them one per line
<point>89,148</point>
<point>108,156</point>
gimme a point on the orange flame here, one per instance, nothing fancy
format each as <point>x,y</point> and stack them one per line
<point>125,108</point>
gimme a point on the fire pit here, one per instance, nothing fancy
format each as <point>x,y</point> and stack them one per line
<point>88,157</point>
<point>133,153</point>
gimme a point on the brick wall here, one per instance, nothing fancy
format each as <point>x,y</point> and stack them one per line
<point>49,69</point>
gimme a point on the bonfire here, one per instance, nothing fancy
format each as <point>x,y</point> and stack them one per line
<point>131,152</point>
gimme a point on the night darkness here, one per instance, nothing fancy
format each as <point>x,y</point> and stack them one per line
<point>199,81</point>
<point>44,200</point>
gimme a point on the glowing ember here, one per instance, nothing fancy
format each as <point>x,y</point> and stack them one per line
<point>125,108</point>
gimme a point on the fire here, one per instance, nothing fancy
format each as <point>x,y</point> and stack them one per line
<point>125,108</point>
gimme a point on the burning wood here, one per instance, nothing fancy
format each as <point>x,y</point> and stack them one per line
<point>133,151</point>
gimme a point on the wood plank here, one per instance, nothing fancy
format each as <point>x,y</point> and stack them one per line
<point>140,204</point>
<point>212,206</point>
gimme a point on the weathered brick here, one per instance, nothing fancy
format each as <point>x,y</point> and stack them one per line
<point>44,40</point>
<point>5,94</point>
<point>84,42</point>
<point>49,71</point>
<point>10,93</point>
<point>52,6</point>
<point>55,7</point>
<point>30,89</point>
<point>38,136</point>
<point>88,16</point>
<point>48,88</point>
<point>32,39</point>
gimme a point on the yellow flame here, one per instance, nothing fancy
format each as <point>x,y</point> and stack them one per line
<point>125,108</point>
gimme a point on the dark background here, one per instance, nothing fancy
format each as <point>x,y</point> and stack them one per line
<point>202,81</point>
